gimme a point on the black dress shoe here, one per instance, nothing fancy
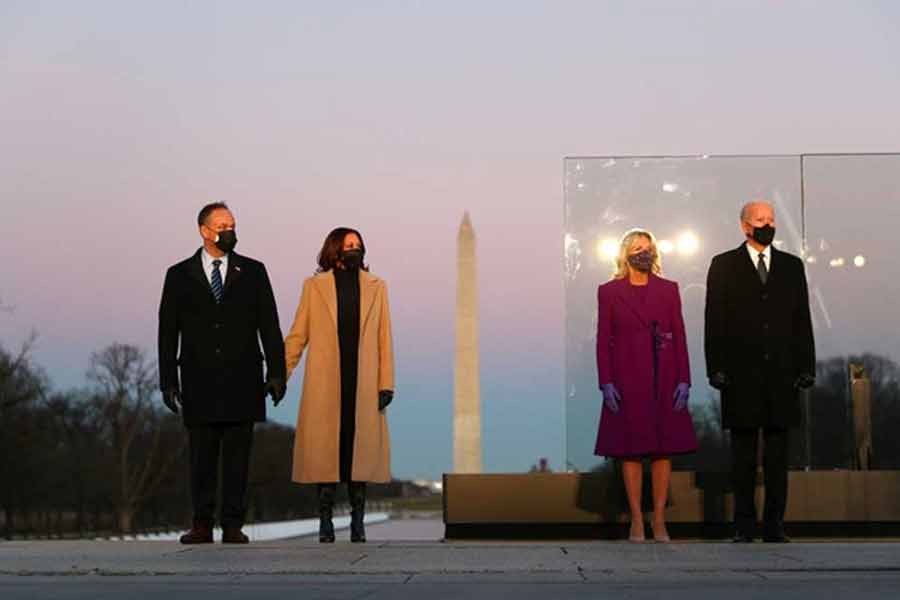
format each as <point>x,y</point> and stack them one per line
<point>740,538</point>
<point>234,535</point>
<point>777,539</point>
<point>200,533</point>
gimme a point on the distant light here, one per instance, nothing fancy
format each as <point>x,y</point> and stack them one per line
<point>580,186</point>
<point>608,249</point>
<point>811,259</point>
<point>665,247</point>
<point>670,187</point>
<point>688,243</point>
<point>859,260</point>
<point>836,262</point>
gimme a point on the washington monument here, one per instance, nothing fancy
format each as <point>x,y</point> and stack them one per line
<point>466,387</point>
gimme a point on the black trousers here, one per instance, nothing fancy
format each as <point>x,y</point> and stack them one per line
<point>232,443</point>
<point>744,452</point>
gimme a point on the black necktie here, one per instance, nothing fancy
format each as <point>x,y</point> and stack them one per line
<point>761,268</point>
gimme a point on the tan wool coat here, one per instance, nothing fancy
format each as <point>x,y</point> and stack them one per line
<point>317,441</point>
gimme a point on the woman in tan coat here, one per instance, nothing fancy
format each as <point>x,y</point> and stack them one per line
<point>342,433</point>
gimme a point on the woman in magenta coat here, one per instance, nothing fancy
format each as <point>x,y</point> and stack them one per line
<point>642,363</point>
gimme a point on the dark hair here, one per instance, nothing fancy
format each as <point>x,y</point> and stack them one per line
<point>334,244</point>
<point>208,209</point>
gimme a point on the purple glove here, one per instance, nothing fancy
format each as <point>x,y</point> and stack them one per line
<point>682,393</point>
<point>611,397</point>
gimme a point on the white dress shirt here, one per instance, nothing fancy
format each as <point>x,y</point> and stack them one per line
<point>754,256</point>
<point>208,266</point>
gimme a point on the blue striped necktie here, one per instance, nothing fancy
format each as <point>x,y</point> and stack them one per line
<point>217,289</point>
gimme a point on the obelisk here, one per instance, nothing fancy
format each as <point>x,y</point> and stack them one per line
<point>466,385</point>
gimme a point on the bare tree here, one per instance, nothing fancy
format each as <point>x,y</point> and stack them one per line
<point>81,463</point>
<point>22,386</point>
<point>19,382</point>
<point>125,387</point>
<point>108,456</point>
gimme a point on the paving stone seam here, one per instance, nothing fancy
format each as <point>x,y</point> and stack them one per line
<point>581,571</point>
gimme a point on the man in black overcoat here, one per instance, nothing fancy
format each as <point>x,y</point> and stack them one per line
<point>760,354</point>
<point>217,306</point>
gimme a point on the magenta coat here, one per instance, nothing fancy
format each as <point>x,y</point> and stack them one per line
<point>647,423</point>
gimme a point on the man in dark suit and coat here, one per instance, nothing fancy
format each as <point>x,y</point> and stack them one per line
<point>218,325</point>
<point>760,354</point>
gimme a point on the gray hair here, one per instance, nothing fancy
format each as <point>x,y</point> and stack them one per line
<point>745,210</point>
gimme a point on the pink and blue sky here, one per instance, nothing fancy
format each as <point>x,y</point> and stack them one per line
<point>118,120</point>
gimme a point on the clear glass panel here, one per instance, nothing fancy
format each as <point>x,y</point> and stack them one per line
<point>852,223</point>
<point>692,205</point>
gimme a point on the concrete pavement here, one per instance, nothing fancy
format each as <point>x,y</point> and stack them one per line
<point>392,567</point>
<point>575,562</point>
<point>265,587</point>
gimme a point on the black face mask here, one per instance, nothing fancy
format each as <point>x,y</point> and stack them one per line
<point>226,240</point>
<point>764,235</point>
<point>642,261</point>
<point>352,259</point>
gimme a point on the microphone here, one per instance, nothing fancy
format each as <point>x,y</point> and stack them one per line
<point>655,343</point>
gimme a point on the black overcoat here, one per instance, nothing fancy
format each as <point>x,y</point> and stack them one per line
<point>760,336</point>
<point>215,348</point>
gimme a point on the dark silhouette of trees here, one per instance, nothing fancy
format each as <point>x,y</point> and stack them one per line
<point>81,458</point>
<point>22,387</point>
<point>826,440</point>
<point>132,426</point>
<point>272,494</point>
<point>885,377</point>
<point>713,454</point>
<point>109,459</point>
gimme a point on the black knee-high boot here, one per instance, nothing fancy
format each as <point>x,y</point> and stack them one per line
<point>326,510</point>
<point>357,492</point>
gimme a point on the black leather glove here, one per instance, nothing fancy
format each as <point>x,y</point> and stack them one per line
<point>276,388</point>
<point>384,398</point>
<point>172,399</point>
<point>804,381</point>
<point>719,380</point>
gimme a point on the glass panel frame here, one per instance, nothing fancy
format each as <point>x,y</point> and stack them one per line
<point>839,212</point>
<point>692,204</point>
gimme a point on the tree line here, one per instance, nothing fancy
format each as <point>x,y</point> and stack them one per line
<point>826,440</point>
<point>108,459</point>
